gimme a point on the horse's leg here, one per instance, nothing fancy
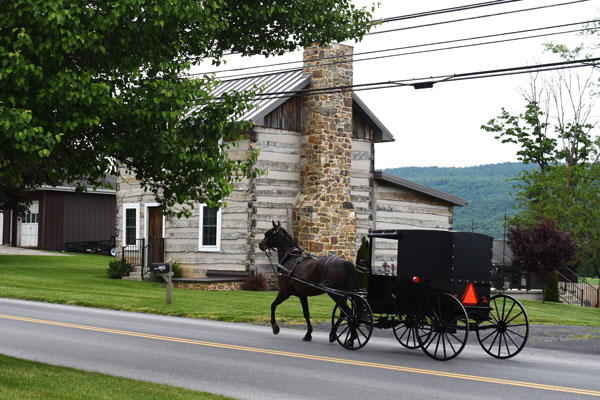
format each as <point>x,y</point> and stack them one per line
<point>281,297</point>
<point>309,328</point>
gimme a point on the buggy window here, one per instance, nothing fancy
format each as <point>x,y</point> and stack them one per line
<point>385,257</point>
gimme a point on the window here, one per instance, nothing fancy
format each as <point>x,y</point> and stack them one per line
<point>131,223</point>
<point>210,229</point>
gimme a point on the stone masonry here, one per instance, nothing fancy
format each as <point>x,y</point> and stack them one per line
<point>324,219</point>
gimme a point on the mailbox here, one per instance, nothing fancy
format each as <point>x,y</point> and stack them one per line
<point>160,268</point>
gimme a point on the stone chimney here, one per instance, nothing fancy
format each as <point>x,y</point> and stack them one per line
<point>324,219</point>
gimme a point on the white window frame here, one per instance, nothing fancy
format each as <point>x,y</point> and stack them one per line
<point>129,206</point>
<point>217,246</point>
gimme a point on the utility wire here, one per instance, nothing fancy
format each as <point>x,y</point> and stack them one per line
<point>395,48</point>
<point>430,81</point>
<point>444,11</point>
<point>250,74</point>
<point>476,17</point>
<point>276,71</point>
<point>434,12</point>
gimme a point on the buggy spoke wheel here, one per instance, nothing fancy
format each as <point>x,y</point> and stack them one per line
<point>443,327</point>
<point>405,330</point>
<point>504,333</point>
<point>352,322</point>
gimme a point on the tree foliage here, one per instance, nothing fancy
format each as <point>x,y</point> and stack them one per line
<point>541,248</point>
<point>87,87</point>
<point>557,135</point>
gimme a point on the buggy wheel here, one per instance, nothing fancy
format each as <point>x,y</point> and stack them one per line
<point>352,322</point>
<point>405,330</point>
<point>443,327</point>
<point>504,333</point>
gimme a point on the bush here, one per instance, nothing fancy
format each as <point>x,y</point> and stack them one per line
<point>176,269</point>
<point>552,293</point>
<point>256,281</point>
<point>114,268</point>
<point>363,261</point>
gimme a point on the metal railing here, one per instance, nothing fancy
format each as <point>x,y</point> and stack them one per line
<point>132,255</point>
<point>578,293</point>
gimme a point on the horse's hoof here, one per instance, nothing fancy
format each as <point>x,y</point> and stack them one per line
<point>332,337</point>
<point>275,329</point>
<point>349,344</point>
<point>307,337</point>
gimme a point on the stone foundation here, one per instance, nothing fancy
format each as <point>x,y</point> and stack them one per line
<point>212,286</point>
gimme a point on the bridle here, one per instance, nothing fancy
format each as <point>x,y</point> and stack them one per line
<point>288,237</point>
<point>269,235</point>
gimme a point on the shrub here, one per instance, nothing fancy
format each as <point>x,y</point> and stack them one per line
<point>363,256</point>
<point>114,268</point>
<point>176,269</point>
<point>256,281</point>
<point>552,293</point>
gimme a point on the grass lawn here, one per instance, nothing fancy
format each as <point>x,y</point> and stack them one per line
<point>81,280</point>
<point>592,281</point>
<point>21,379</point>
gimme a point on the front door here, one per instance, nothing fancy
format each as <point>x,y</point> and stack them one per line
<point>29,226</point>
<point>155,238</point>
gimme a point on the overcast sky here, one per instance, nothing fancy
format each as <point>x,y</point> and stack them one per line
<point>441,126</point>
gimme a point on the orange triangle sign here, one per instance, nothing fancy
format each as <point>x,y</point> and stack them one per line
<point>470,297</point>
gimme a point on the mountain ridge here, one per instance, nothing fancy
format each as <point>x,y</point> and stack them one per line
<point>487,189</point>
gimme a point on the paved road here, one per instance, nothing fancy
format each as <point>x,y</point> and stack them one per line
<point>248,362</point>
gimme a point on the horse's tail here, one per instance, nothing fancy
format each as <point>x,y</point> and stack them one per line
<point>352,281</point>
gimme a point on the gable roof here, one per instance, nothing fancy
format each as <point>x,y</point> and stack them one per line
<point>290,81</point>
<point>403,183</point>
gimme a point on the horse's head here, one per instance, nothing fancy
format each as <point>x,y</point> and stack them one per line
<point>270,241</point>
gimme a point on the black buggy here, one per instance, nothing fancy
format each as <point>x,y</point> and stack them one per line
<point>432,296</point>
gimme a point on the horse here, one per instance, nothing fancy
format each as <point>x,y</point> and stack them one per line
<point>332,272</point>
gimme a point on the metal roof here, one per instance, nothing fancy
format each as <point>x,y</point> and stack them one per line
<point>290,81</point>
<point>394,180</point>
<point>279,82</point>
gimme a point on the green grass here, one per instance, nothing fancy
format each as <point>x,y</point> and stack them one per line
<point>21,379</point>
<point>561,314</point>
<point>592,281</point>
<point>81,280</point>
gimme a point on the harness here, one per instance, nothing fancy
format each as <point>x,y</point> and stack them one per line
<point>302,255</point>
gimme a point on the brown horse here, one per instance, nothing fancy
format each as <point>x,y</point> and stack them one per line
<point>332,272</point>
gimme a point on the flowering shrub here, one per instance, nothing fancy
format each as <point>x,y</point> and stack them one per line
<point>256,281</point>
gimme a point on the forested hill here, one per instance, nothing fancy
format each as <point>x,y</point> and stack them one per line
<point>487,189</point>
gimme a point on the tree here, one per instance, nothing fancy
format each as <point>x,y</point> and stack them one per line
<point>541,249</point>
<point>87,87</point>
<point>557,134</point>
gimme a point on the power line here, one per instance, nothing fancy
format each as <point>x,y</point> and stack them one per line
<point>445,11</point>
<point>394,49</point>
<point>435,12</point>
<point>275,71</point>
<point>430,81</point>
<point>476,17</point>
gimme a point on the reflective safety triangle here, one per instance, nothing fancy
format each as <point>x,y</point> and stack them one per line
<point>470,296</point>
